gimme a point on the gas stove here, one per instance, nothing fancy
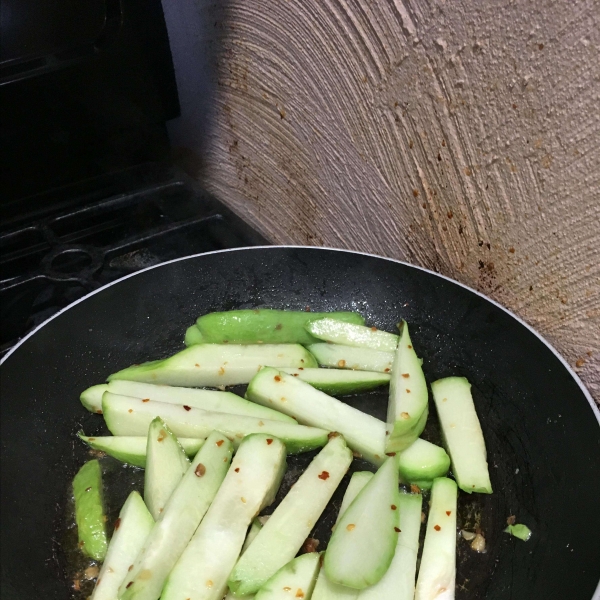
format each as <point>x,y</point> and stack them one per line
<point>88,187</point>
<point>56,252</point>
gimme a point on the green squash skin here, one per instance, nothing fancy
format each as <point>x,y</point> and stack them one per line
<point>89,510</point>
<point>267,326</point>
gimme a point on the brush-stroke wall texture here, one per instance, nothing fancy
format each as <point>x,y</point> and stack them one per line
<point>460,135</point>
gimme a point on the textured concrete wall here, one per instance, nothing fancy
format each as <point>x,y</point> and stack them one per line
<point>458,135</point>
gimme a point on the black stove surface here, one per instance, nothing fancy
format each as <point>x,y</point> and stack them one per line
<point>73,241</point>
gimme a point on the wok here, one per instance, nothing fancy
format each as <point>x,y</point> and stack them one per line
<point>540,425</point>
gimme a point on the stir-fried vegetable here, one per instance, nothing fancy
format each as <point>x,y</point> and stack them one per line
<point>197,534</point>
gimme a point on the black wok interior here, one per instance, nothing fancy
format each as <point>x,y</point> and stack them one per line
<point>542,435</point>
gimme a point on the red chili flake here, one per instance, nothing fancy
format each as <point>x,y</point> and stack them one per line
<point>415,489</point>
<point>299,593</point>
<point>200,470</point>
<point>307,309</point>
<point>437,527</point>
<point>145,399</point>
<point>295,374</point>
<point>448,512</point>
<point>394,507</point>
<point>277,378</point>
<point>390,454</point>
<point>187,407</point>
<point>220,443</point>
<point>332,434</point>
<point>387,370</point>
<point>269,441</point>
<point>397,529</point>
<point>324,475</point>
<point>278,326</point>
<point>129,585</point>
<point>237,469</point>
<point>373,328</point>
<point>409,347</point>
<point>300,368</point>
<point>407,391</point>
<point>117,523</point>
<point>98,412</point>
<point>406,375</point>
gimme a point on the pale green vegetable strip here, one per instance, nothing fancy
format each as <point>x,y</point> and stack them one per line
<point>422,462</point>
<point>362,545</point>
<point>193,336</point>
<point>265,325</point>
<point>224,402</point>
<point>437,573</point>
<point>214,365</point>
<point>132,416</point>
<point>363,433</point>
<point>462,434</point>
<point>357,483</point>
<point>131,530</point>
<point>293,581</point>
<point>89,510</point>
<point>340,381</point>
<point>166,464</point>
<point>349,357</point>
<point>251,484</point>
<point>348,334</point>
<point>92,398</point>
<point>519,531</point>
<point>232,596</point>
<point>255,527</point>
<point>408,397</point>
<point>132,449</point>
<point>290,524</point>
<point>325,589</point>
<point>178,522</point>
<point>399,581</point>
